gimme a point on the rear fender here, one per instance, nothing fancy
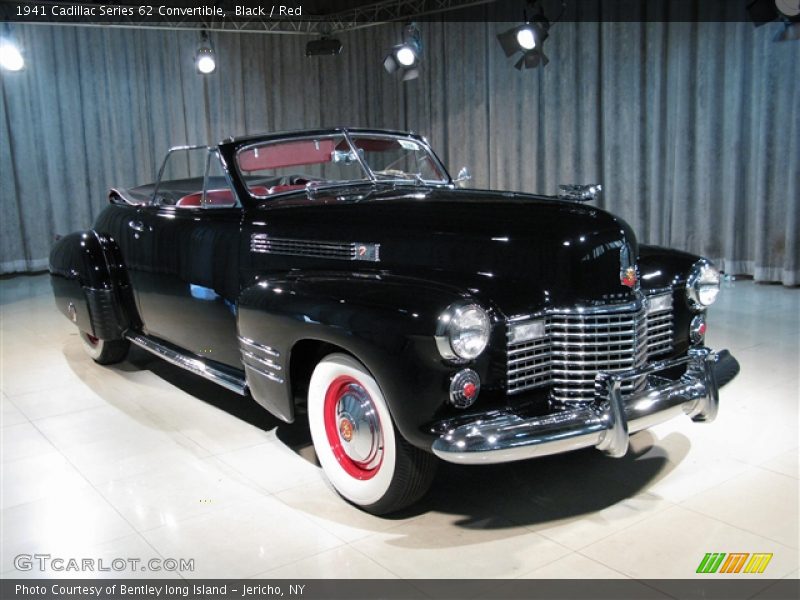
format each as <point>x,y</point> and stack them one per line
<point>90,284</point>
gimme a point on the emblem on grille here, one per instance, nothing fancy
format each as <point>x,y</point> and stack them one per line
<point>628,277</point>
<point>627,270</point>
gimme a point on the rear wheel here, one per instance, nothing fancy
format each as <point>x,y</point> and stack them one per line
<point>104,352</point>
<point>363,455</point>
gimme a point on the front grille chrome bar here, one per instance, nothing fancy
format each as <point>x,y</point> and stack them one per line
<point>580,343</point>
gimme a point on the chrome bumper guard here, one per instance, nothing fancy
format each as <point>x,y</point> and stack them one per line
<point>605,424</point>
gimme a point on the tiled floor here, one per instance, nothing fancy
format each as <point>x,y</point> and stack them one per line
<point>142,460</point>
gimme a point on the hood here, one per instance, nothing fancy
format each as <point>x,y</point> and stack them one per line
<point>518,252</point>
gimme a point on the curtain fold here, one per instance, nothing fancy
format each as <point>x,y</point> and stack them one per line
<point>692,128</point>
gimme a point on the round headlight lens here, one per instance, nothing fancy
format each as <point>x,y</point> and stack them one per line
<point>702,286</point>
<point>464,332</point>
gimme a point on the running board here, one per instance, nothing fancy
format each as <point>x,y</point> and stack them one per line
<point>190,363</point>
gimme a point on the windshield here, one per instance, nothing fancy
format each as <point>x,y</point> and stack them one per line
<point>276,167</point>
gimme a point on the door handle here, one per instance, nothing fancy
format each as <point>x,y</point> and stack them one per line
<point>136,225</point>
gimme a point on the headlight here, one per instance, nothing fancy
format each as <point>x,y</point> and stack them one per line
<point>463,332</point>
<point>702,286</point>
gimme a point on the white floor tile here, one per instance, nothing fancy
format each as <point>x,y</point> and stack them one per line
<point>435,545</point>
<point>273,466</point>
<point>31,479</point>
<point>170,494</point>
<point>65,524</point>
<point>343,562</point>
<point>23,440</point>
<point>672,543</point>
<point>574,566</point>
<point>11,415</point>
<point>770,494</point>
<point>242,540</point>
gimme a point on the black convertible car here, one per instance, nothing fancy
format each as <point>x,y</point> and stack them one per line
<point>418,321</point>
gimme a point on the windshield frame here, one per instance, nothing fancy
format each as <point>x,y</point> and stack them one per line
<point>348,135</point>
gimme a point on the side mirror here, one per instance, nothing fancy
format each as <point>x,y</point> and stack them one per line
<point>463,177</point>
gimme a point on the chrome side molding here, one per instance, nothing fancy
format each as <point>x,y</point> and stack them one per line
<point>190,363</point>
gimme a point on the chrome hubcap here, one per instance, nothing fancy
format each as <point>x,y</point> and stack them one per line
<point>359,427</point>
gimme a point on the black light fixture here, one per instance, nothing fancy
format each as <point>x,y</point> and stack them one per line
<point>787,11</point>
<point>528,38</point>
<point>325,46</point>
<point>404,58</point>
<point>205,60</point>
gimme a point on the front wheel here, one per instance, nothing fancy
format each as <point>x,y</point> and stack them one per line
<point>363,455</point>
<point>104,352</point>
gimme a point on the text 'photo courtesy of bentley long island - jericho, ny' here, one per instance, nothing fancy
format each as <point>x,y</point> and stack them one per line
<point>417,320</point>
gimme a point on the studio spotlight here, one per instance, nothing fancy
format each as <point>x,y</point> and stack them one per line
<point>528,38</point>
<point>10,56</point>
<point>404,58</point>
<point>786,11</point>
<point>205,61</point>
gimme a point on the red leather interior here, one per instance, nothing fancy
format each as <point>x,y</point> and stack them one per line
<point>223,197</point>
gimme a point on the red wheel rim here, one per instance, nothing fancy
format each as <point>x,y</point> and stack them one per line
<point>351,420</point>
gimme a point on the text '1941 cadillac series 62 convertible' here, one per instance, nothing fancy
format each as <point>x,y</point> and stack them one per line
<point>345,270</point>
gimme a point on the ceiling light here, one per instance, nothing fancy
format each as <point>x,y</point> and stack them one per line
<point>10,56</point>
<point>528,38</point>
<point>525,38</point>
<point>404,58</point>
<point>204,59</point>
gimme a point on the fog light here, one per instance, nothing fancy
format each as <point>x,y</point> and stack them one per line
<point>464,388</point>
<point>697,329</point>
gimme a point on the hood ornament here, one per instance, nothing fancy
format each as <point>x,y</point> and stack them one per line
<point>579,193</point>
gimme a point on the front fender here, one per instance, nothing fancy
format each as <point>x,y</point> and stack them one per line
<point>387,322</point>
<point>661,268</point>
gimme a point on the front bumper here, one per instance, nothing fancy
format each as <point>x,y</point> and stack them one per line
<point>606,424</point>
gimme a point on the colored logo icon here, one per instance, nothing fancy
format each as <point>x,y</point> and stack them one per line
<point>734,562</point>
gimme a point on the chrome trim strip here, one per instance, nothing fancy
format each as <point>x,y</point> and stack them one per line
<point>188,362</point>
<point>266,374</point>
<point>262,243</point>
<point>260,347</point>
<point>262,361</point>
<point>504,436</point>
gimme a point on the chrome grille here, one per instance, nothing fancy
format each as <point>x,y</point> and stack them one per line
<point>660,328</point>
<point>579,345</point>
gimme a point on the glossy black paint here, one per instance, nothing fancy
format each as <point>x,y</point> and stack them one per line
<point>198,285</point>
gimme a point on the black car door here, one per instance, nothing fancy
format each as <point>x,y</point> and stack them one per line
<point>184,264</point>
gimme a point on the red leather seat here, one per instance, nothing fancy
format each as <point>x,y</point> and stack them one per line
<point>213,198</point>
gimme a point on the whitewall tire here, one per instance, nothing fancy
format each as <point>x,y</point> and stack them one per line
<point>366,460</point>
<point>104,352</point>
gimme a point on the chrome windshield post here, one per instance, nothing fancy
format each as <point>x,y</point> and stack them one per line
<point>358,156</point>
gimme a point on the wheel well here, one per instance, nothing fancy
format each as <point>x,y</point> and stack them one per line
<point>304,357</point>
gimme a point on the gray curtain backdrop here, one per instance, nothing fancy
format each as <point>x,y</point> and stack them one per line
<point>692,128</point>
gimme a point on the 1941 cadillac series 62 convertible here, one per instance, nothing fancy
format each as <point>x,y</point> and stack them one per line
<point>344,269</point>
